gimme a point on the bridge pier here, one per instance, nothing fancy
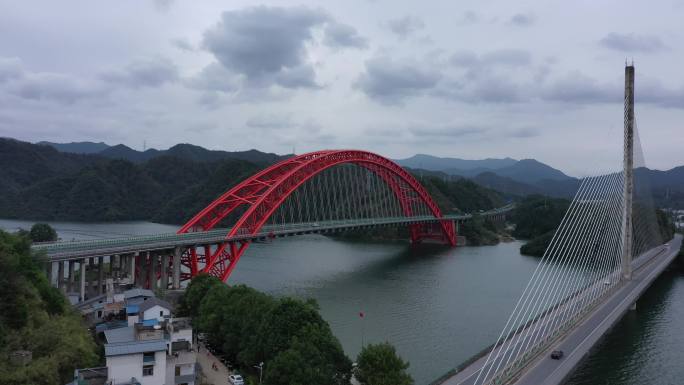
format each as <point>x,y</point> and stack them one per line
<point>139,270</point>
<point>60,276</point>
<point>176,265</point>
<point>131,266</point>
<point>70,287</point>
<point>82,278</point>
<point>164,282</point>
<point>100,274</point>
<point>90,290</point>
<point>153,271</point>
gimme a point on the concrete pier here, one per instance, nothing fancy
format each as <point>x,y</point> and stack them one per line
<point>60,276</point>
<point>71,287</point>
<point>176,267</point>
<point>82,277</point>
<point>100,274</point>
<point>164,282</point>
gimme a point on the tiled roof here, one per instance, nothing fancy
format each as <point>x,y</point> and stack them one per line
<point>118,349</point>
<point>150,303</point>
<point>138,292</point>
<point>119,335</point>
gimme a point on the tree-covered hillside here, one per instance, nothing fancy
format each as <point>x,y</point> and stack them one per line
<point>44,184</point>
<point>36,317</point>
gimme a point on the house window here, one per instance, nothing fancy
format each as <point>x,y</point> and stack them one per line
<point>99,314</point>
<point>148,358</point>
<point>148,370</point>
<point>161,313</point>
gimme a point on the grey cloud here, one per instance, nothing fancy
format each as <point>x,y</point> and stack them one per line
<point>163,5</point>
<point>470,17</point>
<point>270,121</point>
<point>579,88</point>
<point>261,42</point>
<point>440,131</point>
<point>10,68</point>
<point>182,44</point>
<point>341,35</point>
<point>60,88</point>
<point>653,92</point>
<point>523,132</point>
<point>484,89</point>
<point>503,57</point>
<point>389,81</point>
<point>146,73</point>
<point>298,77</point>
<point>632,43</point>
<point>405,26</point>
<point>214,77</point>
<point>522,20</point>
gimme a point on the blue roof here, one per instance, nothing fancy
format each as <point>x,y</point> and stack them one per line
<point>132,309</point>
<point>150,322</point>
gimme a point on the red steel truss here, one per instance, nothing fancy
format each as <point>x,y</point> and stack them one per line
<point>261,194</point>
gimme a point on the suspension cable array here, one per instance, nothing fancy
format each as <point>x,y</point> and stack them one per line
<point>581,265</point>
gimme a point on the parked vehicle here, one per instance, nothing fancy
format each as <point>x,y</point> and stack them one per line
<point>236,379</point>
<point>557,354</point>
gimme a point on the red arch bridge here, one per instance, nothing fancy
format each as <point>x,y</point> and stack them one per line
<point>319,192</point>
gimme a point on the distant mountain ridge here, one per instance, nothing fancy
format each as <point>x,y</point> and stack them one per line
<point>38,182</point>
<point>525,170</point>
<point>509,176</point>
<point>77,147</point>
<point>183,151</point>
<point>434,163</point>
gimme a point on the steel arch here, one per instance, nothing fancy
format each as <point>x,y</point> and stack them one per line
<point>262,193</point>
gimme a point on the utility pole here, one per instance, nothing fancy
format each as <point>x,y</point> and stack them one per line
<point>628,166</point>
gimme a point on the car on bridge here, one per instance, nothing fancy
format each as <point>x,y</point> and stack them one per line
<point>557,354</point>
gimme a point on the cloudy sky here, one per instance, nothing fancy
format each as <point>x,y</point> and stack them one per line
<point>469,79</point>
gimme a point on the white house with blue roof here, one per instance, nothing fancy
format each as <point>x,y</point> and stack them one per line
<point>136,354</point>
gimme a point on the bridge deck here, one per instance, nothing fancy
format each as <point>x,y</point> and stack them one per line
<point>577,342</point>
<point>66,250</point>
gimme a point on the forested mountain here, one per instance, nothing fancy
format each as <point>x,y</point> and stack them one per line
<point>183,150</point>
<point>35,316</point>
<point>42,183</point>
<point>78,147</point>
<point>434,163</point>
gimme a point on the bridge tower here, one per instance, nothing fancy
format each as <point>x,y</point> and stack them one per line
<point>628,168</point>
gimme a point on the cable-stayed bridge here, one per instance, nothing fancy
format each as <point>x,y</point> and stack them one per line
<point>606,252</point>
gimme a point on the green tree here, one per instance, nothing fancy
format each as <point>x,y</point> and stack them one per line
<point>536,215</point>
<point>192,297</point>
<point>42,232</point>
<point>380,364</point>
<point>537,246</point>
<point>314,357</point>
<point>282,323</point>
<point>477,232</point>
<point>34,316</point>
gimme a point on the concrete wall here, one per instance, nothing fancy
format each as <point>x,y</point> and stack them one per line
<point>182,335</point>
<point>153,313</point>
<point>122,368</point>
<point>132,320</point>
